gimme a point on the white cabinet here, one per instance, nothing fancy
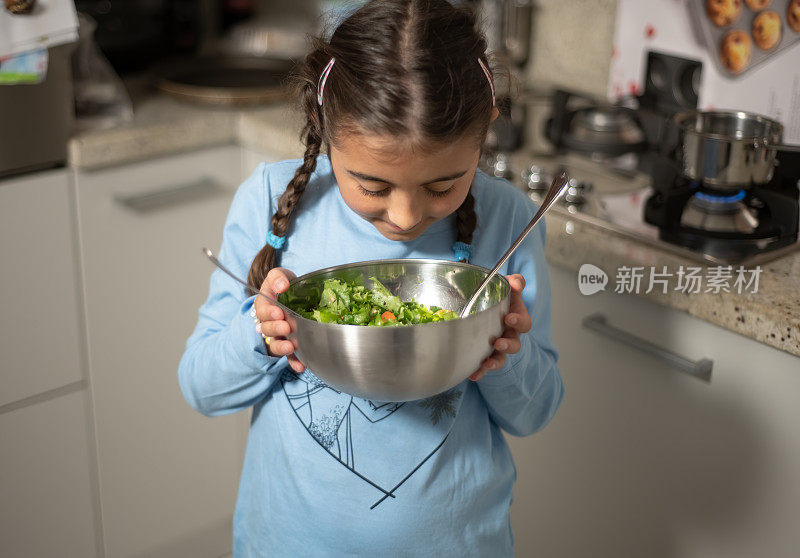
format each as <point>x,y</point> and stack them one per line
<point>645,460</point>
<point>46,490</point>
<point>40,327</point>
<point>168,476</point>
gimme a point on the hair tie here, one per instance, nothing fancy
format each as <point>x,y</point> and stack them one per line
<point>488,77</point>
<point>275,241</point>
<point>462,250</point>
<point>323,77</point>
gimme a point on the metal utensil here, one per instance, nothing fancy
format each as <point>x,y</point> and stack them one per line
<point>248,286</point>
<point>406,362</point>
<point>557,188</point>
<point>400,363</point>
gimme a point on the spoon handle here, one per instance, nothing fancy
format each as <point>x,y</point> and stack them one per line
<point>557,188</point>
<point>217,263</point>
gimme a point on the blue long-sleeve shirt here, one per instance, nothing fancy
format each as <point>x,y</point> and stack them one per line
<point>328,474</point>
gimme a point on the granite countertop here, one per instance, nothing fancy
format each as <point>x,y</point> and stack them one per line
<point>163,126</point>
<point>770,315</point>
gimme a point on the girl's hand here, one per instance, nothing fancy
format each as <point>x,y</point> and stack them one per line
<point>272,321</point>
<point>517,321</point>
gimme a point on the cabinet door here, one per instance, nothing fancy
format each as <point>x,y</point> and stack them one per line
<point>46,496</point>
<point>644,460</point>
<point>168,475</point>
<point>39,321</point>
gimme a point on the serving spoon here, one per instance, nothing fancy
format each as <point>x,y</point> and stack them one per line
<point>557,188</point>
<point>210,255</point>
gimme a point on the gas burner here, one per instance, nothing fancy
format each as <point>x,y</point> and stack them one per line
<point>719,213</point>
<point>576,192</point>
<point>650,208</point>
<point>730,227</point>
<point>581,124</point>
<point>538,181</point>
<point>497,164</point>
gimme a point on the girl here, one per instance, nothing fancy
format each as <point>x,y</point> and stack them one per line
<point>400,98</point>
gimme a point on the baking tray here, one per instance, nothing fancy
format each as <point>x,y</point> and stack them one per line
<point>712,35</point>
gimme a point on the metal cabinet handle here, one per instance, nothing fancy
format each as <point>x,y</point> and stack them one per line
<point>699,369</point>
<point>169,195</point>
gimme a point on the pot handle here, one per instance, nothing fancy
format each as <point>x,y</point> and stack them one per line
<point>777,146</point>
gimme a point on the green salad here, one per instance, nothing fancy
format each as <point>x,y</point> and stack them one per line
<point>346,303</point>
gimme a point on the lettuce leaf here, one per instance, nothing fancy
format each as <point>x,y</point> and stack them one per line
<point>344,303</point>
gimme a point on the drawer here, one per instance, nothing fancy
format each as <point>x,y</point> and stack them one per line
<point>715,465</point>
<point>46,488</point>
<point>166,182</point>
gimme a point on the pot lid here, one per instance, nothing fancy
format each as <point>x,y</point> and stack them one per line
<point>614,121</point>
<point>608,130</point>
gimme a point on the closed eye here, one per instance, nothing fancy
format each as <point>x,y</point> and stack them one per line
<point>374,193</point>
<point>385,191</point>
<point>440,193</point>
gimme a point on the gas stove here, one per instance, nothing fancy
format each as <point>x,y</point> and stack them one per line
<point>748,224</point>
<point>748,227</point>
<point>625,178</point>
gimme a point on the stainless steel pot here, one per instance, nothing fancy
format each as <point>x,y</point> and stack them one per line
<point>728,150</point>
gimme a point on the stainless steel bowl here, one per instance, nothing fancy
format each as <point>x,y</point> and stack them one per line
<point>401,363</point>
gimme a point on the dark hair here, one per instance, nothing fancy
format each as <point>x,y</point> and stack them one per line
<point>405,68</point>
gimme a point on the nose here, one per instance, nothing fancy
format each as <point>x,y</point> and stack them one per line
<point>404,213</point>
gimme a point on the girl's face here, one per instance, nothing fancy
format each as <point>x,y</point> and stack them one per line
<point>401,190</point>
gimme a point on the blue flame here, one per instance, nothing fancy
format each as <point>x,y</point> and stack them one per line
<point>738,196</point>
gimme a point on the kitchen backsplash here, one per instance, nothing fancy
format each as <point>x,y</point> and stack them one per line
<point>571,44</point>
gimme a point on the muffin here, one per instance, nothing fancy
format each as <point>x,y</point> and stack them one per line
<point>767,30</point>
<point>758,5</point>
<point>20,6</point>
<point>723,13</point>
<point>793,15</point>
<point>735,51</point>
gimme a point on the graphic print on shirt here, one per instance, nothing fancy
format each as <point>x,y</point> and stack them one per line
<point>362,435</point>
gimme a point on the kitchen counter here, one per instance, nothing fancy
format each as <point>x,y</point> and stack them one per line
<point>164,126</point>
<point>770,315</point>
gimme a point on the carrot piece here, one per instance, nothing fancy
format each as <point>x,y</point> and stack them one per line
<point>388,316</point>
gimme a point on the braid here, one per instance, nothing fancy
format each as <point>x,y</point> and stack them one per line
<point>265,259</point>
<point>393,59</point>
<point>466,219</point>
